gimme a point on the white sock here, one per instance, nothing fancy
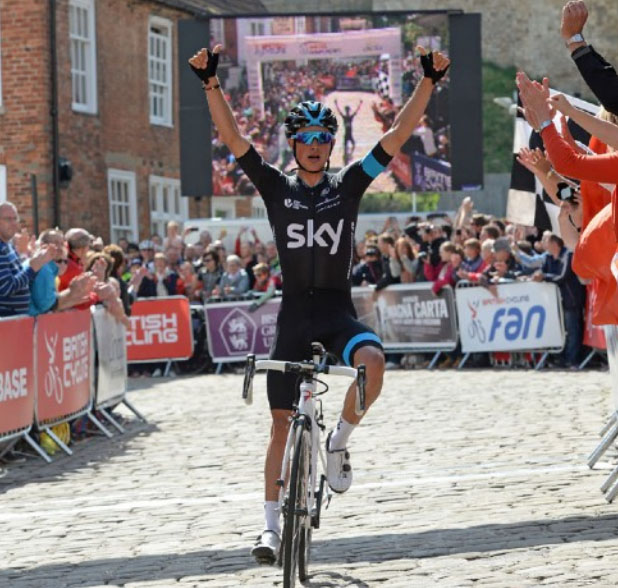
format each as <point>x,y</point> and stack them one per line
<point>272,516</point>
<point>341,434</point>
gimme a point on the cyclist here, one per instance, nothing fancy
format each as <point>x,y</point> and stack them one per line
<point>313,214</point>
<point>348,139</point>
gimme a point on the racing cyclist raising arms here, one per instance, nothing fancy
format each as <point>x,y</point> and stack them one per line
<point>313,215</point>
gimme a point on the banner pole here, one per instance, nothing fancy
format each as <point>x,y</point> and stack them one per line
<point>111,420</point>
<point>37,448</point>
<point>134,410</point>
<point>99,425</point>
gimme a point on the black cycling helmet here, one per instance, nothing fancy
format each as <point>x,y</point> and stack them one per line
<point>310,114</point>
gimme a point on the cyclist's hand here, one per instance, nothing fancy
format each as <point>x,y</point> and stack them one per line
<point>253,306</point>
<point>434,64</point>
<point>204,63</point>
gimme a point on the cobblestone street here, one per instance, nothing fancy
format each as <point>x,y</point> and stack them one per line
<point>474,478</point>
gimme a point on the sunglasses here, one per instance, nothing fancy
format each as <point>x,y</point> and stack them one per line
<point>308,137</point>
<point>62,261</point>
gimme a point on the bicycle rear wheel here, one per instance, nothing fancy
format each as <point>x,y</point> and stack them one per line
<point>295,510</point>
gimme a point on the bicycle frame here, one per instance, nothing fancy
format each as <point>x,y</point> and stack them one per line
<point>306,408</point>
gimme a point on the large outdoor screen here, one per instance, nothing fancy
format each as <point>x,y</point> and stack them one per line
<point>363,67</point>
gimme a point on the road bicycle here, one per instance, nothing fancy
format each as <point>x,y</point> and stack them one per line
<point>302,483</point>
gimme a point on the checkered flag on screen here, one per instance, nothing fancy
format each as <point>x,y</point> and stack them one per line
<point>383,86</point>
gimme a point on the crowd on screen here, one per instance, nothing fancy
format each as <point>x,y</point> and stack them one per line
<point>285,84</point>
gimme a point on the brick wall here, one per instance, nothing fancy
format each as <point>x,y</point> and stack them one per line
<point>120,135</point>
<point>25,114</point>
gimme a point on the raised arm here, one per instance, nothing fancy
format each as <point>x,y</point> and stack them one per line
<point>598,168</point>
<point>434,67</point>
<point>358,108</point>
<point>204,65</point>
<point>601,129</point>
<point>337,107</point>
<point>600,76</point>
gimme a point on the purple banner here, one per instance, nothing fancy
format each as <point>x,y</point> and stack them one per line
<point>233,331</point>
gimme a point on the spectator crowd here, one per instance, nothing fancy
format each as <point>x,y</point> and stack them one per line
<point>58,270</point>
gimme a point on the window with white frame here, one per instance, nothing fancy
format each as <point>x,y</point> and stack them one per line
<point>122,197</point>
<point>82,38</point>
<point>166,204</point>
<point>3,197</point>
<point>160,70</point>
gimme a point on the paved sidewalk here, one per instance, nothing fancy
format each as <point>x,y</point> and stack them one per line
<point>461,479</point>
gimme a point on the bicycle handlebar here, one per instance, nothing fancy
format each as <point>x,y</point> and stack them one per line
<point>296,367</point>
<point>306,368</point>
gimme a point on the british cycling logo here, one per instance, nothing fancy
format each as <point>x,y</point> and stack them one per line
<point>155,328</point>
<point>295,204</point>
<point>238,331</point>
<point>299,235</point>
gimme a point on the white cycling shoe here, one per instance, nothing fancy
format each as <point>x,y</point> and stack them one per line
<point>338,468</point>
<point>266,549</point>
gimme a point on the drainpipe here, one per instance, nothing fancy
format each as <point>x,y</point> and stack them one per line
<point>54,114</point>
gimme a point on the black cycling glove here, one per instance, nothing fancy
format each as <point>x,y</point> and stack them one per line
<point>210,70</point>
<point>428,69</point>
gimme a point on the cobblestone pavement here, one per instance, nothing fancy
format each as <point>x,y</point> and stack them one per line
<point>475,478</point>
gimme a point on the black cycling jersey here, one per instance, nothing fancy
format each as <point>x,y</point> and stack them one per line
<point>314,231</point>
<point>314,226</point>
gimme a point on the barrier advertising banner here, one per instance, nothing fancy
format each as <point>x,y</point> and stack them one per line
<point>522,316</point>
<point>160,329</point>
<point>17,387</point>
<point>64,364</point>
<point>409,317</point>
<point>110,339</point>
<point>233,331</point>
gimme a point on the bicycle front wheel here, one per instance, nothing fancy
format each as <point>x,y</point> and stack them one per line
<point>295,510</point>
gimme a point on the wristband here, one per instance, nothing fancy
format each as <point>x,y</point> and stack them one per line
<point>544,125</point>
<point>211,87</point>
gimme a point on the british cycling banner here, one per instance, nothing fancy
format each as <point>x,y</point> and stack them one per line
<point>17,390</point>
<point>510,317</point>
<point>110,337</point>
<point>160,329</point>
<point>234,331</point>
<point>64,360</point>
<point>409,317</point>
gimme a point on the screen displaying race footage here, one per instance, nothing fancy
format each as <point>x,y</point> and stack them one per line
<point>363,67</point>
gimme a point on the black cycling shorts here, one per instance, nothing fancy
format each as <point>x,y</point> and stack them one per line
<point>326,316</point>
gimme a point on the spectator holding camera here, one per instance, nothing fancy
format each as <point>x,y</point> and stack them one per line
<point>211,272</point>
<point>402,262</point>
<point>369,270</point>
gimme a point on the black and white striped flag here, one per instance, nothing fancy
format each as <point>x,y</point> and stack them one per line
<point>528,204</point>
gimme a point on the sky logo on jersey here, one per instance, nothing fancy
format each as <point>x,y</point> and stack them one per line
<point>297,238</point>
